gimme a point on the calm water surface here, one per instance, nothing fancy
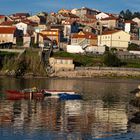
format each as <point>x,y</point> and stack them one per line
<point>104,113</point>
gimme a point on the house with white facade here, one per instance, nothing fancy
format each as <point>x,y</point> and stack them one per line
<point>114,39</point>
<point>26,27</point>
<point>9,35</point>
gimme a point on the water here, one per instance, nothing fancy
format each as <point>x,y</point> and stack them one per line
<point>104,113</point>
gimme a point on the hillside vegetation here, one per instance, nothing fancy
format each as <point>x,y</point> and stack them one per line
<point>28,63</point>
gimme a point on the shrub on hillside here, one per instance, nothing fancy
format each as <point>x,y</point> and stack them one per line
<point>133,46</point>
<point>111,60</point>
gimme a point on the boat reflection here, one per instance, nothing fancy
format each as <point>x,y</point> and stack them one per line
<point>74,116</point>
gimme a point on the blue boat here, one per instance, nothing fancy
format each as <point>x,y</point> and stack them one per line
<point>66,96</point>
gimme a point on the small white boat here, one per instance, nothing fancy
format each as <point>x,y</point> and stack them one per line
<point>56,93</point>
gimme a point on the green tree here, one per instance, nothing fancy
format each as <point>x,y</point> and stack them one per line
<point>127,15</point>
<point>133,46</point>
<point>122,14</point>
<point>110,59</point>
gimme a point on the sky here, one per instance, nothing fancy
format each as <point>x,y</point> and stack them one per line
<point>34,6</point>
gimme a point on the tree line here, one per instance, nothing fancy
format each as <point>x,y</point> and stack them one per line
<point>128,15</point>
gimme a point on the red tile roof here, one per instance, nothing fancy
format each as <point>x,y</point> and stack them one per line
<point>110,32</point>
<point>110,18</point>
<point>7,30</point>
<point>29,22</point>
<point>130,21</point>
<point>2,16</point>
<point>7,23</point>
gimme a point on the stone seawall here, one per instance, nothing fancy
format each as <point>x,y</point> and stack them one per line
<point>97,73</point>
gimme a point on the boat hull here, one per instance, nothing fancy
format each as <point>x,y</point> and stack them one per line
<point>15,95</point>
<point>70,97</point>
<point>56,93</point>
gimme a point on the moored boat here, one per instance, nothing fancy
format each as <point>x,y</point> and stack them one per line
<point>66,96</point>
<point>30,93</point>
<point>56,93</point>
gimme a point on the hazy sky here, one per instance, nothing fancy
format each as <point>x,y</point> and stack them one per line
<point>33,6</point>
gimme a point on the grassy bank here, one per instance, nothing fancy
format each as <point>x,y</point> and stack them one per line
<point>28,63</point>
<point>80,59</point>
<point>96,60</point>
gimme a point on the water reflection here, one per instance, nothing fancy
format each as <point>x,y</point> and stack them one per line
<point>104,112</point>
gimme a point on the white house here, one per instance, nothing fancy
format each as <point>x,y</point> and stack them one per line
<point>114,39</point>
<point>25,27</point>
<point>129,24</point>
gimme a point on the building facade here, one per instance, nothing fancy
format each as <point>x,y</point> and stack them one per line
<point>114,39</point>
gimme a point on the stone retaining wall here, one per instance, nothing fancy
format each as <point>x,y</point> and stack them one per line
<point>97,73</point>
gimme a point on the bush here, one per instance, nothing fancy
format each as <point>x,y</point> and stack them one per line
<point>110,59</point>
<point>133,46</point>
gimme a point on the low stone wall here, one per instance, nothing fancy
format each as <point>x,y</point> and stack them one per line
<point>98,73</point>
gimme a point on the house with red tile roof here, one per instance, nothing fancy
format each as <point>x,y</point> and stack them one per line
<point>131,27</point>
<point>114,39</point>
<point>8,35</point>
<point>7,23</point>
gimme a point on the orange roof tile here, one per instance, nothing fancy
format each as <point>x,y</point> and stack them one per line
<point>2,16</point>
<point>7,23</point>
<point>110,18</point>
<point>7,30</point>
<point>110,32</point>
<point>130,21</point>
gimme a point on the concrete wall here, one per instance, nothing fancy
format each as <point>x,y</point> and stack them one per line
<point>99,72</point>
<point>75,49</point>
<point>61,64</point>
<point>95,49</point>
